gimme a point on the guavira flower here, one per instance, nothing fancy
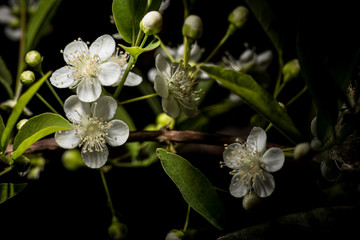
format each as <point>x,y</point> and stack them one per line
<point>176,87</point>
<point>120,58</point>
<point>251,164</point>
<point>92,129</point>
<point>88,68</point>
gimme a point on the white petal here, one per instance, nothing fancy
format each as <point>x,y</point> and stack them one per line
<point>118,133</point>
<point>161,86</point>
<point>313,127</point>
<point>231,156</point>
<point>329,170</point>
<point>67,139</point>
<point>103,46</point>
<point>273,159</point>
<point>89,92</point>
<point>264,185</point>
<point>189,108</point>
<point>75,109</point>
<point>195,53</point>
<point>163,66</point>
<point>5,15</point>
<point>14,34</point>
<point>105,108</point>
<point>237,187</point>
<point>73,50</point>
<point>133,80</point>
<point>170,106</point>
<point>63,77</point>
<point>257,139</point>
<point>109,73</point>
<point>152,74</point>
<point>95,159</point>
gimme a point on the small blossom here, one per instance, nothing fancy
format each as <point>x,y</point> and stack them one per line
<point>251,164</point>
<point>176,87</point>
<point>92,129</point>
<point>88,68</point>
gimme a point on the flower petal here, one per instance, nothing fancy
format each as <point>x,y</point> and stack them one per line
<point>237,187</point>
<point>231,156</point>
<point>103,46</point>
<point>257,140</point>
<point>133,80</point>
<point>170,106</point>
<point>329,170</point>
<point>189,108</point>
<point>104,107</point>
<point>163,66</point>
<point>95,159</point>
<point>63,77</point>
<point>89,91</point>
<point>75,109</point>
<point>264,185</point>
<point>118,133</point>
<point>161,86</point>
<point>109,74</point>
<point>67,139</point>
<point>73,50</point>
<point>5,15</point>
<point>273,159</point>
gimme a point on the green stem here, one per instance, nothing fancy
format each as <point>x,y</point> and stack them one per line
<point>278,80</point>
<point>8,169</point>
<point>107,192</point>
<point>54,93</point>
<point>268,127</point>
<point>46,103</point>
<point>144,40</point>
<point>288,149</point>
<point>279,89</point>
<point>186,9</point>
<point>187,218</point>
<point>186,51</point>
<point>216,49</point>
<point>138,98</point>
<point>296,96</point>
<point>165,49</point>
<point>123,79</point>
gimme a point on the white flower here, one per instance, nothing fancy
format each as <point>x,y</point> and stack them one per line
<point>251,164</point>
<point>176,87</point>
<point>120,58</point>
<point>92,129</point>
<point>88,68</point>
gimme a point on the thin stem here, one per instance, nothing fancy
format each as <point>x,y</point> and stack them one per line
<point>296,96</point>
<point>216,49</point>
<point>279,77</point>
<point>46,103</point>
<point>54,93</point>
<point>279,89</point>
<point>123,79</point>
<point>187,218</point>
<point>8,169</point>
<point>186,10</point>
<point>138,98</point>
<point>288,149</point>
<point>268,127</point>
<point>107,192</point>
<point>186,51</point>
<point>165,49</point>
<point>144,40</point>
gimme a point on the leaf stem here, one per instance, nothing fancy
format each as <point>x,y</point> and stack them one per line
<point>165,49</point>
<point>8,169</point>
<point>103,179</point>
<point>138,98</point>
<point>296,96</point>
<point>46,103</point>
<point>187,218</point>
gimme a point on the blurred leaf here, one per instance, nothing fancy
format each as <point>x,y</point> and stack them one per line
<point>128,14</point>
<point>147,88</point>
<point>196,189</point>
<point>136,51</point>
<point>18,109</point>
<point>2,126</point>
<point>9,190</point>
<point>256,97</point>
<point>37,128</point>
<point>39,21</point>
<point>5,78</point>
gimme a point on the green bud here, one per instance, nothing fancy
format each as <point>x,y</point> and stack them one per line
<point>192,27</point>
<point>21,123</point>
<point>27,77</point>
<point>22,164</point>
<point>238,16</point>
<point>71,159</point>
<point>251,201</point>
<point>33,58</point>
<point>151,23</point>
<point>15,23</point>
<point>117,230</point>
<point>163,120</point>
<point>291,70</point>
<point>175,235</point>
<point>301,150</point>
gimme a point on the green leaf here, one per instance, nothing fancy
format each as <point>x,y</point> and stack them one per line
<point>128,14</point>
<point>9,190</point>
<point>196,189</point>
<point>39,21</point>
<point>256,97</point>
<point>2,126</point>
<point>37,128</point>
<point>136,51</point>
<point>4,72</point>
<point>18,109</point>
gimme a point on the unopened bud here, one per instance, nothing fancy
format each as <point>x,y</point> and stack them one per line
<point>163,120</point>
<point>151,23</point>
<point>27,77</point>
<point>117,230</point>
<point>291,70</point>
<point>192,27</point>
<point>238,16</point>
<point>22,163</point>
<point>251,201</point>
<point>21,123</point>
<point>71,159</point>
<point>33,58</point>
<point>301,150</point>
<point>175,235</point>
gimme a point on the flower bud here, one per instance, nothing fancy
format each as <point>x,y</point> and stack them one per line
<point>151,23</point>
<point>192,27</point>
<point>175,235</point>
<point>251,201</point>
<point>27,77</point>
<point>163,120</point>
<point>238,16</point>
<point>117,230</point>
<point>301,150</point>
<point>22,164</point>
<point>21,123</point>
<point>33,58</point>
<point>71,159</point>
<point>291,70</point>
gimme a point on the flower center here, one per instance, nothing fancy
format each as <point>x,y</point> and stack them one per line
<point>119,57</point>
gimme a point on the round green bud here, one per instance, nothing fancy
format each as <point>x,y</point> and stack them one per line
<point>251,201</point>
<point>27,77</point>
<point>15,23</point>
<point>301,150</point>
<point>163,120</point>
<point>175,235</point>
<point>151,23</point>
<point>291,70</point>
<point>33,58</point>
<point>71,159</point>
<point>192,27</point>
<point>117,230</point>
<point>21,123</point>
<point>22,163</point>
<point>238,16</point>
